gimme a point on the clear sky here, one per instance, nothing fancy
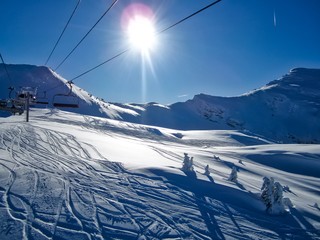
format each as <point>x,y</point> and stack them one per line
<point>229,49</point>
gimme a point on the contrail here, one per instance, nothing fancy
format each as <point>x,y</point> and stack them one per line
<point>274,18</point>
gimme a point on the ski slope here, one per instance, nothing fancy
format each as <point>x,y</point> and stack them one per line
<point>69,176</point>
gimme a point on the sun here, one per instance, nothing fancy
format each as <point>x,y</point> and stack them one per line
<point>141,33</point>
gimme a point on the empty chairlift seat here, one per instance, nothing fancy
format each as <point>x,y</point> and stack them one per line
<point>42,99</point>
<point>65,101</point>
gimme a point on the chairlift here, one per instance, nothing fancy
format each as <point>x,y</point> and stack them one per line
<point>66,100</point>
<point>42,99</point>
<point>3,103</point>
<point>23,94</point>
<point>9,106</point>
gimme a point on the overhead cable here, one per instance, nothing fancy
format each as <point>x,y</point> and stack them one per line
<point>166,29</point>
<point>190,16</point>
<point>91,69</point>
<point>74,10</point>
<point>5,68</point>
<point>111,6</point>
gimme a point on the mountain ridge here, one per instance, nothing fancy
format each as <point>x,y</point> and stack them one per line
<point>276,111</point>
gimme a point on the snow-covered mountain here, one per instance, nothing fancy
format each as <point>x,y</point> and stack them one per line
<point>276,111</point>
<point>285,110</point>
<point>51,87</point>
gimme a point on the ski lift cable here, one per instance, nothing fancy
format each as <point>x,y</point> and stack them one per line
<point>190,16</point>
<point>74,10</point>
<point>5,68</point>
<point>110,59</point>
<point>110,7</point>
<point>166,29</point>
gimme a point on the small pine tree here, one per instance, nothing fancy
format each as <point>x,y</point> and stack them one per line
<point>278,206</point>
<point>187,164</point>
<point>191,165</point>
<point>233,175</point>
<point>272,196</point>
<point>267,192</point>
<point>207,170</point>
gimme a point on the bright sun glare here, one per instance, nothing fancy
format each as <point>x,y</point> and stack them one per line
<point>141,33</point>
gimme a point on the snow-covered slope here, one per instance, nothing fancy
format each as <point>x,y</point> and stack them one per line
<point>70,176</point>
<point>285,110</point>
<point>51,87</point>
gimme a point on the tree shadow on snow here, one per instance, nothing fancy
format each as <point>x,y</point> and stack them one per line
<point>246,206</point>
<point>208,215</point>
<point>210,178</point>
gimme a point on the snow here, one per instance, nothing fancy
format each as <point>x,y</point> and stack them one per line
<point>70,176</point>
<point>115,171</point>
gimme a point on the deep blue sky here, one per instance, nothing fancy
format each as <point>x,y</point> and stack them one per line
<point>227,50</point>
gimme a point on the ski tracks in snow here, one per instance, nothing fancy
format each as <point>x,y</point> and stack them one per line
<point>54,188</point>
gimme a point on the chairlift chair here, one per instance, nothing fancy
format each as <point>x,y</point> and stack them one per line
<point>42,99</point>
<point>24,93</point>
<point>9,106</point>
<point>66,100</point>
<point>3,103</point>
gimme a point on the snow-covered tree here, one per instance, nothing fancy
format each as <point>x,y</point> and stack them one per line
<point>187,165</point>
<point>278,206</point>
<point>287,202</point>
<point>272,196</point>
<point>207,170</point>
<point>233,175</point>
<point>267,192</point>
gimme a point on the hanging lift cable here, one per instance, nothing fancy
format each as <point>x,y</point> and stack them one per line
<point>74,10</point>
<point>5,68</point>
<point>171,26</point>
<point>11,88</point>
<point>190,16</point>
<point>111,6</point>
<point>99,65</point>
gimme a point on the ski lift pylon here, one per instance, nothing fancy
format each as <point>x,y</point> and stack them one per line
<point>66,100</point>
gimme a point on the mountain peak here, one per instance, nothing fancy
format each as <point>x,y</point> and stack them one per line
<point>304,76</point>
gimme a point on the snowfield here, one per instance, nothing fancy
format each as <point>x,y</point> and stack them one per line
<point>69,176</point>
